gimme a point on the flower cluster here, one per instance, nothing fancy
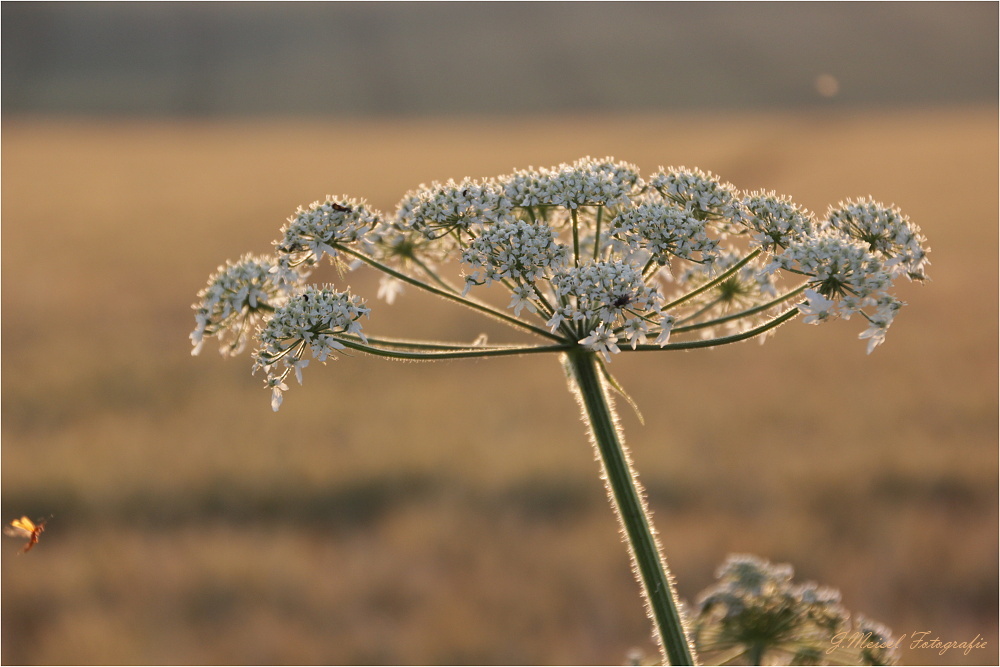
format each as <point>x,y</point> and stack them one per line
<point>589,251</point>
<point>773,221</point>
<point>844,278</point>
<point>662,230</point>
<point>850,262</point>
<point>443,206</point>
<point>515,249</point>
<point>238,296</point>
<point>700,192</point>
<point>312,320</point>
<point>887,232</point>
<point>756,613</point>
<point>315,231</point>
<point>586,182</point>
<point>598,298</point>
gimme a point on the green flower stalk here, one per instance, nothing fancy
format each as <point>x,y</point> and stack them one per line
<point>597,262</point>
<point>584,371</point>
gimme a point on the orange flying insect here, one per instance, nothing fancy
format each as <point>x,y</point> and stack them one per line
<point>27,529</point>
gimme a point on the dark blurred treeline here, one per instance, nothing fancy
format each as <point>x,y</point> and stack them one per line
<point>426,58</point>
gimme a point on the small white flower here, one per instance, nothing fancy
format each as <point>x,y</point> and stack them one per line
<point>875,335</point>
<point>389,287</point>
<point>277,387</point>
<point>602,340</point>
<point>521,298</point>
<point>635,330</point>
<point>666,325</point>
<point>879,323</point>
<point>558,317</point>
<point>198,335</point>
<point>323,346</point>
<point>297,365</point>
<point>817,307</point>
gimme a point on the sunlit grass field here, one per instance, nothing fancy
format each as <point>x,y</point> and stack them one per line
<point>452,512</point>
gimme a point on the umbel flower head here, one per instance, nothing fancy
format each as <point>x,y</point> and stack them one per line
<point>315,231</point>
<point>591,255</point>
<point>238,297</point>
<point>311,321</point>
<point>756,615</point>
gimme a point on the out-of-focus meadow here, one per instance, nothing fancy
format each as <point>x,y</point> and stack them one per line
<point>452,513</point>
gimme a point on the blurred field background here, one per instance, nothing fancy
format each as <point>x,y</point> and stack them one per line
<point>452,513</point>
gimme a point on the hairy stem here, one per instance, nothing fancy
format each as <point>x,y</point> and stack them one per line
<point>576,237</point>
<point>724,340</point>
<point>743,313</point>
<point>432,352</point>
<point>715,281</point>
<point>626,494</point>
<point>451,296</point>
<point>597,233</point>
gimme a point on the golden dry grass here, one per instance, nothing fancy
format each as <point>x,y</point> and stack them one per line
<point>452,513</point>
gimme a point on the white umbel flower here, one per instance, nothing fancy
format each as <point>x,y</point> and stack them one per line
<point>598,253</point>
<point>701,192</point>
<point>664,229</point>
<point>839,268</point>
<point>433,210</point>
<point>601,292</point>
<point>887,232</point>
<point>311,320</point>
<point>586,182</point>
<point>517,250</point>
<point>314,231</point>
<point>238,296</point>
<point>773,221</point>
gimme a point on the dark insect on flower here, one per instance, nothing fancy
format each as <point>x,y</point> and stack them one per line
<point>27,529</point>
<point>622,300</point>
<point>337,207</point>
<point>291,246</point>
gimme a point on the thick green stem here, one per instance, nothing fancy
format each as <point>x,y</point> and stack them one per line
<point>626,494</point>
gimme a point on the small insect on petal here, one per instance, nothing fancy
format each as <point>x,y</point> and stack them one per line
<point>26,529</point>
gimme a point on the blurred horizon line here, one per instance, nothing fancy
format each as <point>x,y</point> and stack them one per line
<point>461,59</point>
